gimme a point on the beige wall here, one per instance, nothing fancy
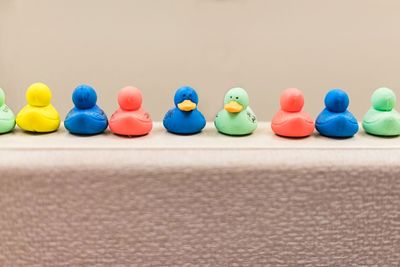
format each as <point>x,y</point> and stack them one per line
<point>261,45</point>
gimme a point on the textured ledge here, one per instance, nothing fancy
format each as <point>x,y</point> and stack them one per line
<point>203,200</point>
<point>208,148</point>
<point>262,138</point>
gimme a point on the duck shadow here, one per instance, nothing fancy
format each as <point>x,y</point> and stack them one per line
<point>381,136</point>
<point>38,133</point>
<point>293,137</point>
<point>317,135</point>
<point>185,134</point>
<point>87,135</point>
<point>129,136</point>
<point>235,135</point>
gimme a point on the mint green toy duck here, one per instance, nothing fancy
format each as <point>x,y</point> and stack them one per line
<point>382,119</point>
<point>7,117</point>
<point>236,118</point>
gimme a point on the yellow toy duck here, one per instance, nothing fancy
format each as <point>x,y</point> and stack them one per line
<point>39,115</point>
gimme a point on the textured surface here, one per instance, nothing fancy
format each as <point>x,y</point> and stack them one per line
<point>199,206</point>
<point>209,138</point>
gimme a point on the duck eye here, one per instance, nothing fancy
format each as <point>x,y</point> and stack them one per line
<point>237,97</point>
<point>231,97</point>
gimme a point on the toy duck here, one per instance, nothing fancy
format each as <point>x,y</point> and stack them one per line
<point>130,119</point>
<point>335,120</point>
<point>7,117</point>
<point>185,118</point>
<point>291,121</point>
<point>236,118</point>
<point>382,119</point>
<point>39,115</point>
<point>86,118</point>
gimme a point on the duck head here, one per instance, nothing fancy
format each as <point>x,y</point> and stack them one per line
<point>236,100</point>
<point>2,97</point>
<point>84,97</point>
<point>38,95</point>
<point>130,98</point>
<point>186,99</point>
<point>336,100</point>
<point>292,100</point>
<point>383,99</point>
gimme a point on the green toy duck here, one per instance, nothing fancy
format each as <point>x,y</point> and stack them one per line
<point>7,117</point>
<point>382,119</point>
<point>236,118</point>
<point>39,115</point>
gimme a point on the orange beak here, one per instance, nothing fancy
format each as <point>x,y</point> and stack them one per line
<point>233,107</point>
<point>187,105</point>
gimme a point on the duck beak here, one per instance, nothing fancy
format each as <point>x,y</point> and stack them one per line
<point>233,107</point>
<point>187,105</point>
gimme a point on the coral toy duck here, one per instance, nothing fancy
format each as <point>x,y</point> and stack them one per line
<point>291,121</point>
<point>130,119</point>
<point>335,120</point>
<point>39,115</point>
<point>236,118</point>
<point>185,118</point>
<point>7,117</point>
<point>86,118</point>
<point>382,119</point>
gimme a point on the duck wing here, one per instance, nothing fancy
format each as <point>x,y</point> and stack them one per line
<point>98,114</point>
<point>250,115</point>
<point>49,112</point>
<point>6,113</point>
<point>373,116</point>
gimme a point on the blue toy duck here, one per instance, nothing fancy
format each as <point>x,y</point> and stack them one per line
<point>335,120</point>
<point>86,118</point>
<point>185,118</point>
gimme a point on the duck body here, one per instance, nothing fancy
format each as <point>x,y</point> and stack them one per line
<point>382,123</point>
<point>236,118</point>
<point>185,118</point>
<point>86,118</point>
<point>292,124</point>
<point>38,119</point>
<point>340,125</point>
<point>184,122</point>
<point>130,119</point>
<point>131,123</point>
<point>382,119</point>
<point>290,120</point>
<point>87,121</point>
<point>7,119</point>
<point>335,120</point>
<point>242,123</point>
<point>39,115</point>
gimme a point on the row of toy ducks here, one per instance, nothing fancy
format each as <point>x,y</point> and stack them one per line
<point>236,118</point>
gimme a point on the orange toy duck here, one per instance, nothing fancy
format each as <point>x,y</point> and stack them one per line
<point>291,121</point>
<point>130,119</point>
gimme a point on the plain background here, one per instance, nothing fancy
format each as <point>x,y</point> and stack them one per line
<point>264,46</point>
